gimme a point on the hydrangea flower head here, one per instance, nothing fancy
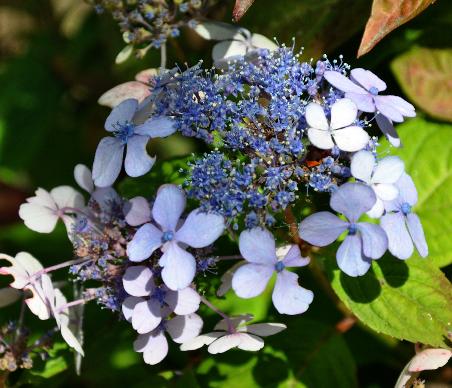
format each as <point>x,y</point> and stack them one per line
<point>381,176</point>
<point>402,226</point>
<point>234,333</point>
<point>339,131</point>
<point>364,241</point>
<point>257,246</point>
<point>42,212</point>
<point>110,151</point>
<point>197,231</point>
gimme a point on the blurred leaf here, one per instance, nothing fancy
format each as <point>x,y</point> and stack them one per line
<point>426,153</point>
<point>8,296</point>
<point>408,300</point>
<point>52,367</point>
<point>425,76</point>
<point>240,8</point>
<point>386,16</point>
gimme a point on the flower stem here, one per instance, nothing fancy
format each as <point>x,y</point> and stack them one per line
<point>231,257</point>
<point>163,56</point>
<point>231,328</point>
<point>59,266</point>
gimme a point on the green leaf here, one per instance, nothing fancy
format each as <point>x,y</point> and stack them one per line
<point>409,300</point>
<point>424,75</point>
<point>52,367</point>
<point>426,152</point>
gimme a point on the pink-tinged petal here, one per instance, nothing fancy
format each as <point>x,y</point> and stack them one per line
<point>183,328</point>
<point>183,302</point>
<point>179,267</point>
<point>362,165</point>
<point>168,206</point>
<point>71,339</point>
<point>417,234</point>
<point>388,170</point>
<point>257,245</point>
<point>315,117</point>
<point>8,296</point>
<point>129,305</point>
<point>288,296</point>
<point>429,359</point>
<point>250,342</point>
<point>120,114</point>
<point>225,343</point>
<point>83,177</point>
<point>213,30</point>
<point>377,210</point>
<point>386,191</point>
<point>156,349</point>
<point>264,329</point>
<point>343,113</point>
<point>28,262</point>
<point>146,240</point>
<point>350,257</point>
<point>200,229</point>
<point>107,161</point>
<point>407,189</point>
<point>38,218</point>
<point>385,107</point>
<point>352,200</point>
<point>351,139</point>
<point>160,126</point>
<point>374,240</point>
<point>250,280</point>
<point>341,82</point>
<point>320,138</point>
<point>321,229</point>
<point>367,79</point>
<point>146,316</point>
<point>138,212</point>
<point>388,130</point>
<point>138,162</point>
<point>364,102</point>
<point>145,76</point>
<point>200,341</point>
<point>121,92</point>
<point>38,303</point>
<point>138,281</point>
<point>399,240</point>
<point>293,258</point>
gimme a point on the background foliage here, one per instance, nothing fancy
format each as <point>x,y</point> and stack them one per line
<point>57,58</point>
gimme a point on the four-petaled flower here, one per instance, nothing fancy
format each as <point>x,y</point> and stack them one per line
<point>257,246</point>
<point>381,176</point>
<point>199,230</point>
<point>146,314</point>
<point>364,93</point>
<point>402,226</point>
<point>110,151</point>
<point>364,241</point>
<point>42,212</point>
<point>339,131</point>
<point>233,333</point>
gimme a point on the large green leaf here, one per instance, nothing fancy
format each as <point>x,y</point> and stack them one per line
<point>425,75</point>
<point>408,300</point>
<point>427,154</point>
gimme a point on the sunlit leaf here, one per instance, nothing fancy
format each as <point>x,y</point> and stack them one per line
<point>425,76</point>
<point>386,16</point>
